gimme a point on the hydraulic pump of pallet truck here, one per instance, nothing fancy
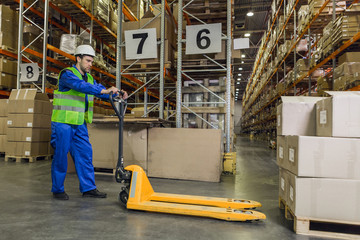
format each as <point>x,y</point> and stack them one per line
<point>138,194</point>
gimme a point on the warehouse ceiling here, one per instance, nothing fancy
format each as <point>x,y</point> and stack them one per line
<point>256,26</point>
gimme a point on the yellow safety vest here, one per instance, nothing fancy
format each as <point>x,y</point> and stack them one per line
<point>69,106</point>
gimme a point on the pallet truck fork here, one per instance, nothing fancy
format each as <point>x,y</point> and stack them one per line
<point>138,194</point>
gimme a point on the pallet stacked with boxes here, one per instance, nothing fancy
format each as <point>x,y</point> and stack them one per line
<point>29,125</point>
<point>8,41</point>
<point>318,155</point>
<point>289,66</point>
<point>8,73</point>
<point>3,126</point>
<point>347,74</point>
<point>8,28</point>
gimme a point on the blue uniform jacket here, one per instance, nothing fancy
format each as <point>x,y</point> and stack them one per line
<point>68,81</point>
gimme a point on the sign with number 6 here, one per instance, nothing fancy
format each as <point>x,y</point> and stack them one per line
<point>204,38</point>
<point>140,44</point>
<point>29,72</point>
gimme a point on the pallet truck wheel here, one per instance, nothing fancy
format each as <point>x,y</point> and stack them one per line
<point>123,197</point>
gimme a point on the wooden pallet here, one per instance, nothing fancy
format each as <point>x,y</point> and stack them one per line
<point>6,88</point>
<point>30,159</point>
<point>9,49</point>
<point>105,171</point>
<point>321,227</point>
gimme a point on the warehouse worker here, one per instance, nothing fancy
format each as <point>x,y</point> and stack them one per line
<point>73,108</point>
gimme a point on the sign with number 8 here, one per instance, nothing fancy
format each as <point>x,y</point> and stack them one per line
<point>29,72</point>
<point>205,38</point>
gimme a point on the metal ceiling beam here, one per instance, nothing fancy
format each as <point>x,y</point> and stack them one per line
<point>250,31</point>
<point>253,5</point>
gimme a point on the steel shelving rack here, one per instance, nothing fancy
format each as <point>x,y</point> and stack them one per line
<point>252,106</point>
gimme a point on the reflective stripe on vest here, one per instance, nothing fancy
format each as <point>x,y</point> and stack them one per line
<point>69,106</point>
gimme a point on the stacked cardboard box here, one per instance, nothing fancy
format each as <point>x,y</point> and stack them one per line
<point>8,27</point>
<point>318,155</point>
<point>303,17</point>
<point>29,123</point>
<point>323,84</point>
<point>8,70</point>
<point>8,41</point>
<point>192,154</point>
<point>3,126</point>
<point>347,74</point>
<point>345,27</point>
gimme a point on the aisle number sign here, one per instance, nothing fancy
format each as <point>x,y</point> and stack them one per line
<point>140,44</point>
<point>29,72</point>
<point>204,38</point>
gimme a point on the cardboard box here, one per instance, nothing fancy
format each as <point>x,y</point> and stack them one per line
<point>323,157</point>
<point>29,101</point>
<point>281,150</point>
<point>338,115</point>
<point>324,198</point>
<point>283,184</point>
<point>3,143</point>
<point>7,19</point>
<point>36,45</point>
<point>104,138</point>
<point>7,80</point>
<point>4,107</point>
<point>296,116</point>
<point>349,57</point>
<point>3,125</point>
<point>9,39</point>
<point>339,83</point>
<point>8,66</point>
<point>27,149</point>
<point>180,153</point>
<point>29,121</point>
<point>29,134</point>
<point>347,68</point>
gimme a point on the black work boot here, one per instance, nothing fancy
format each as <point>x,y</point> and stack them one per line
<point>61,196</point>
<point>94,193</point>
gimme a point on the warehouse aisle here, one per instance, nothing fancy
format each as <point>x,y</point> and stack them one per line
<point>29,212</point>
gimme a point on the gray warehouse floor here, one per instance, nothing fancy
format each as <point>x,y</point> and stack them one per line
<point>28,210</point>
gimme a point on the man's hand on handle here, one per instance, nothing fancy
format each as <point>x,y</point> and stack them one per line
<point>123,94</point>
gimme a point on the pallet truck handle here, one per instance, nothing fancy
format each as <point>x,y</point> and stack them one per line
<point>121,174</point>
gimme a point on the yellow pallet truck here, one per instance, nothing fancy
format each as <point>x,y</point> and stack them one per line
<point>138,194</point>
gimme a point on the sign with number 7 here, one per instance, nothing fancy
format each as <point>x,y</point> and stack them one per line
<point>140,44</point>
<point>204,38</point>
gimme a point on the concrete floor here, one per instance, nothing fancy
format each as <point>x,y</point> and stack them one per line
<point>28,210</point>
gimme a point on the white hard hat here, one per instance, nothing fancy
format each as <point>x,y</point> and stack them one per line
<point>85,50</point>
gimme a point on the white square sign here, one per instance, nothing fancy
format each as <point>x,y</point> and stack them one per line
<point>241,43</point>
<point>140,44</point>
<point>29,72</point>
<point>204,38</point>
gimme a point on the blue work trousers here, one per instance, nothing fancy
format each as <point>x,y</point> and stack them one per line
<point>73,138</point>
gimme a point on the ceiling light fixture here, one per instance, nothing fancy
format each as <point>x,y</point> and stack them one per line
<point>247,35</point>
<point>250,13</point>
<point>243,55</point>
<point>240,69</point>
